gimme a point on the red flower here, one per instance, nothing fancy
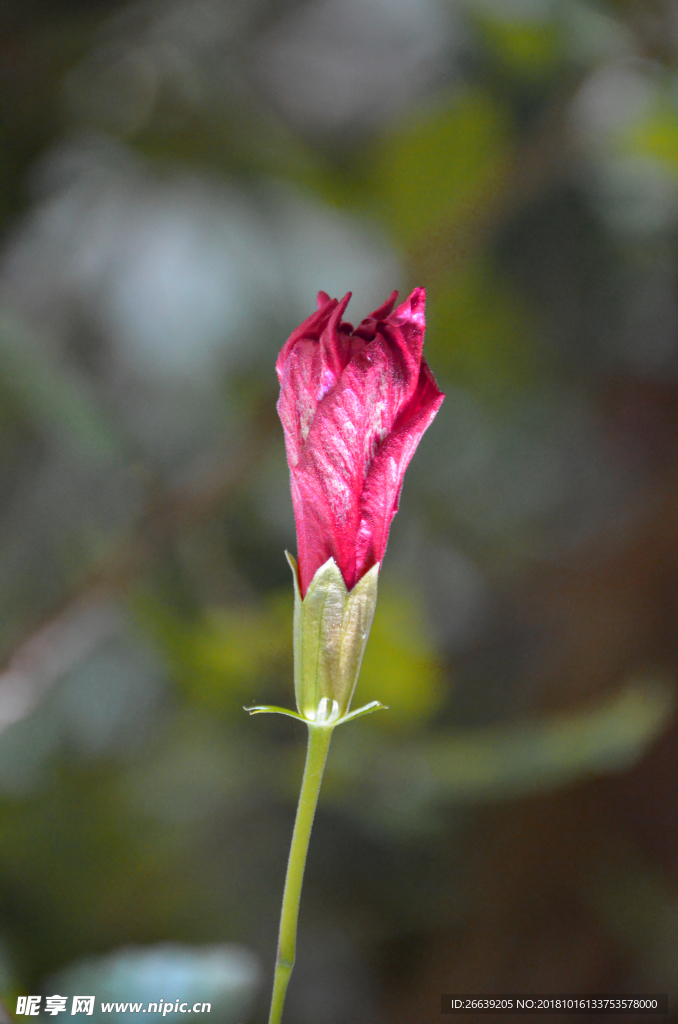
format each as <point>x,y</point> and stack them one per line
<point>354,406</point>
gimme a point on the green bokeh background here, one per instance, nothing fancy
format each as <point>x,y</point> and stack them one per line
<point>177,180</point>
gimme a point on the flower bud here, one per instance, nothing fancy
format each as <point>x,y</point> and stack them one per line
<point>354,405</point>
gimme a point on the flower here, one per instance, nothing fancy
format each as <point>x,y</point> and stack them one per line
<point>354,405</point>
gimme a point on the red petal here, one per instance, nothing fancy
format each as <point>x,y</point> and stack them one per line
<point>381,493</point>
<point>312,327</point>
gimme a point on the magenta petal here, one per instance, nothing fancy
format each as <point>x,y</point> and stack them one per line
<point>381,493</point>
<point>310,328</point>
<point>334,347</point>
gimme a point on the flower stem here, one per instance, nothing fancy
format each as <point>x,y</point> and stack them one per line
<point>319,737</point>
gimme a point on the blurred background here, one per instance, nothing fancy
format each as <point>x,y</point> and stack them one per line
<point>177,180</point>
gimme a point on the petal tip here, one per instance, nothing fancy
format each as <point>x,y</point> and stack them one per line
<point>338,311</point>
<point>413,309</point>
<point>384,311</point>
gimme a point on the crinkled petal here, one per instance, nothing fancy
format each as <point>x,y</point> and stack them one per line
<point>308,367</point>
<point>381,493</point>
<point>312,327</point>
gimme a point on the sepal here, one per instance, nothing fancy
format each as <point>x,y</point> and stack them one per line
<point>331,627</point>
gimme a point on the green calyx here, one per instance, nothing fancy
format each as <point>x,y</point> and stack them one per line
<point>331,627</point>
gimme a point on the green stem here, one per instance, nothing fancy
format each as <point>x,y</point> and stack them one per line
<point>318,745</point>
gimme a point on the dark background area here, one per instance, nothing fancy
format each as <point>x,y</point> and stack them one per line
<point>177,180</point>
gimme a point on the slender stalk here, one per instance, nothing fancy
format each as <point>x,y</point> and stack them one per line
<point>316,754</point>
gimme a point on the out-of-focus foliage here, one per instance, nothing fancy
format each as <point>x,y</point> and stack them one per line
<point>178,178</point>
<point>400,663</point>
